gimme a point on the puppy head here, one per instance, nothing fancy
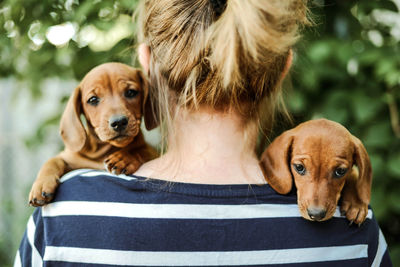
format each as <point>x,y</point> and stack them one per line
<point>111,97</point>
<point>318,155</point>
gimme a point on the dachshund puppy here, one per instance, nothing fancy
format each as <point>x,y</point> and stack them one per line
<point>319,156</point>
<point>100,127</point>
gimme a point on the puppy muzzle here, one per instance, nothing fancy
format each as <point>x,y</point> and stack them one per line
<point>316,214</point>
<point>118,123</point>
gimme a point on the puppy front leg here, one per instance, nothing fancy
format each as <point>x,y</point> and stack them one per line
<point>352,205</point>
<point>128,160</point>
<point>124,162</point>
<point>47,181</point>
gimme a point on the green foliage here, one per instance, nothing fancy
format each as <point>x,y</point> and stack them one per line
<point>346,68</point>
<point>28,55</point>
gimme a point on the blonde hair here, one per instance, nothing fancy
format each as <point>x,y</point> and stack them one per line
<point>228,61</point>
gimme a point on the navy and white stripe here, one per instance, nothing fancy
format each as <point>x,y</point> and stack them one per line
<point>106,220</point>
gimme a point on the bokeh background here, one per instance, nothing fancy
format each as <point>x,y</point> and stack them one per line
<point>346,68</point>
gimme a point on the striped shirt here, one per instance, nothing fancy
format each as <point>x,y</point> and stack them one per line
<point>106,220</point>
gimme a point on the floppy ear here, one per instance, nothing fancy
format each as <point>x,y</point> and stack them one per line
<point>147,105</point>
<point>275,163</point>
<point>71,128</point>
<point>363,163</point>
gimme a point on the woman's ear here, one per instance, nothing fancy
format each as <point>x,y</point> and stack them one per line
<point>288,64</point>
<point>144,56</point>
<point>365,171</point>
<point>71,128</point>
<point>275,163</point>
<point>145,89</point>
<point>147,108</point>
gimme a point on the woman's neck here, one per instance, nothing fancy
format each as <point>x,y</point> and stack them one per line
<point>208,147</point>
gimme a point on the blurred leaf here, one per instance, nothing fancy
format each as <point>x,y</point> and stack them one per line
<point>85,8</point>
<point>379,135</point>
<point>394,166</point>
<point>335,106</point>
<point>395,254</point>
<point>296,101</point>
<point>379,199</point>
<point>103,25</point>
<point>320,51</point>
<point>394,200</point>
<point>371,57</point>
<point>392,78</point>
<point>384,66</point>
<point>378,164</point>
<point>365,108</point>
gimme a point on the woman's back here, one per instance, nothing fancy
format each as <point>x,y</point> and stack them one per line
<point>103,219</point>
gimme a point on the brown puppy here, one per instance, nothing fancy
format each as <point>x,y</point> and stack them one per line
<point>319,155</point>
<point>111,98</point>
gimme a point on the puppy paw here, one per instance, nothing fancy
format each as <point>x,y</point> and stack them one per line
<point>43,190</point>
<point>123,162</point>
<point>355,211</point>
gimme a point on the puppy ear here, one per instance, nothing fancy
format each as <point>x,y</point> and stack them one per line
<point>275,163</point>
<point>147,105</point>
<point>363,163</point>
<point>71,128</point>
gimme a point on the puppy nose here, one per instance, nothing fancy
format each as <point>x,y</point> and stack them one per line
<point>118,123</point>
<point>316,214</point>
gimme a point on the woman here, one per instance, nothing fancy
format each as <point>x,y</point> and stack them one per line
<point>215,69</point>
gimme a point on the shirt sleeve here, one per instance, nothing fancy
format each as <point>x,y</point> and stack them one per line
<point>31,250</point>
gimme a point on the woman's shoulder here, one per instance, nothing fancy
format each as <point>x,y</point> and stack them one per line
<point>99,188</point>
<point>96,185</point>
<point>93,185</point>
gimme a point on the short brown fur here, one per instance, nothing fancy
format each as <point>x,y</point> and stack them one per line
<point>321,146</point>
<point>97,145</point>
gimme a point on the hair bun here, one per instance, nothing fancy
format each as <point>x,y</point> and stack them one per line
<point>218,6</point>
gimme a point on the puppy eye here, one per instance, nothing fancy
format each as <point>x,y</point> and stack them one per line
<point>300,169</point>
<point>339,172</point>
<point>94,101</point>
<point>131,93</point>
